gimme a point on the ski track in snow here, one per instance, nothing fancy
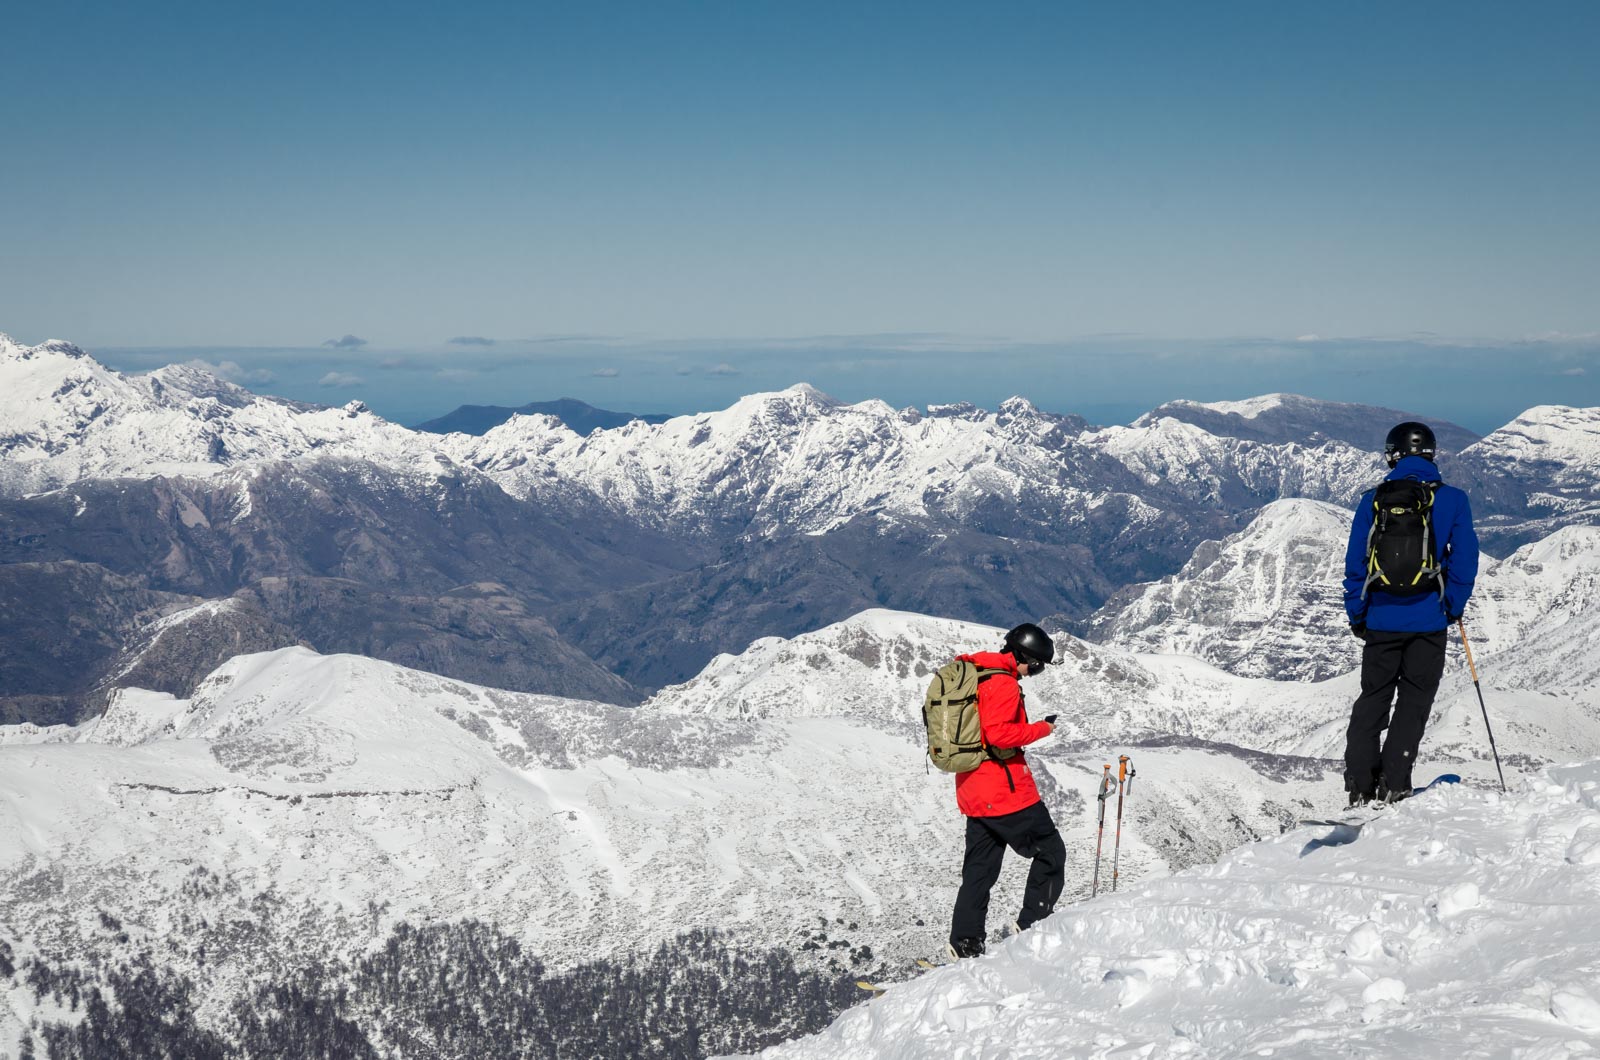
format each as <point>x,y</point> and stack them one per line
<point>1460,924</point>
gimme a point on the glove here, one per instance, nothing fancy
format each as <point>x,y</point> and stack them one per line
<point>1452,619</point>
<point>1050,719</point>
<point>1359,630</point>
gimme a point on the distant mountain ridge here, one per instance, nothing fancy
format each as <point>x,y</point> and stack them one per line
<point>580,416</point>
<point>517,557</point>
<point>1291,417</point>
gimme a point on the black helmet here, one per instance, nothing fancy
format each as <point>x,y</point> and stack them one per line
<point>1030,644</point>
<point>1409,439</point>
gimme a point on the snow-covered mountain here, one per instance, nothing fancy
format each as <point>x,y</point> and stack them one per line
<point>1536,474</point>
<point>64,418</point>
<point>1460,924</point>
<point>794,461</point>
<point>798,461</point>
<point>1268,602</point>
<point>651,547</point>
<point>1265,602</point>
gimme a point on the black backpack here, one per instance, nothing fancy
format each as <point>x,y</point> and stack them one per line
<point>1400,557</point>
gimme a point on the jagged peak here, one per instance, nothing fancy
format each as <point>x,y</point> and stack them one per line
<point>956,410</point>
<point>61,346</point>
<point>11,348</point>
<point>191,380</point>
<point>510,442</point>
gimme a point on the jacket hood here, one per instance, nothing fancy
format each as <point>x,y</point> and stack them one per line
<point>1418,467</point>
<point>993,660</point>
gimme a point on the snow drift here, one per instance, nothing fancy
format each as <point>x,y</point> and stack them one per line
<point>1460,924</point>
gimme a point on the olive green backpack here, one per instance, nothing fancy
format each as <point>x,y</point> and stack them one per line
<point>950,712</point>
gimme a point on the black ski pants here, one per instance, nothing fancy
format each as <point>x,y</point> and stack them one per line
<point>1032,834</point>
<point>1400,672</point>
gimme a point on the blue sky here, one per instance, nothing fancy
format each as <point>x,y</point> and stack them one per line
<point>912,201</point>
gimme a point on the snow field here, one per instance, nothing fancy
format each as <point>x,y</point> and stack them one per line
<point>1460,924</point>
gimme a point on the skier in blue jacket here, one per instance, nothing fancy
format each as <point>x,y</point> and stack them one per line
<point>1403,625</point>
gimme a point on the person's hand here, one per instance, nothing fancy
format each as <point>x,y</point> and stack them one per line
<point>1359,631</point>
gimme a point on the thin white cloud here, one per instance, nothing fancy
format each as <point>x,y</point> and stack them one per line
<point>1564,336</point>
<point>1574,371</point>
<point>456,375</point>
<point>605,373</point>
<point>348,342</point>
<point>340,379</point>
<point>722,369</point>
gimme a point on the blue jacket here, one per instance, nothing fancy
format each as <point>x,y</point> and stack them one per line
<point>1455,545</point>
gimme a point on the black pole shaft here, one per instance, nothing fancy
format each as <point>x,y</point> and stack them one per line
<point>1461,624</point>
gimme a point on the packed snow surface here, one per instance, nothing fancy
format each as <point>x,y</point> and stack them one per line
<point>1458,924</point>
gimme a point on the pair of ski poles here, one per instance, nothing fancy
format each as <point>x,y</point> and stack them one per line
<point>1123,786</point>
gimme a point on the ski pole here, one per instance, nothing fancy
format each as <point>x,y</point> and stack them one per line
<point>1461,624</point>
<point>1105,793</point>
<point>1125,775</point>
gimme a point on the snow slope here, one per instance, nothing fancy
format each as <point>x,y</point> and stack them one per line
<point>875,666</point>
<point>355,794</point>
<point>1461,924</point>
<point>312,802</point>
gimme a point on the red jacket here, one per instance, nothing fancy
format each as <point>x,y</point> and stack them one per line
<point>985,792</point>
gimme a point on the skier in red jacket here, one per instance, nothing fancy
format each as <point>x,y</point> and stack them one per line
<point>1000,799</point>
